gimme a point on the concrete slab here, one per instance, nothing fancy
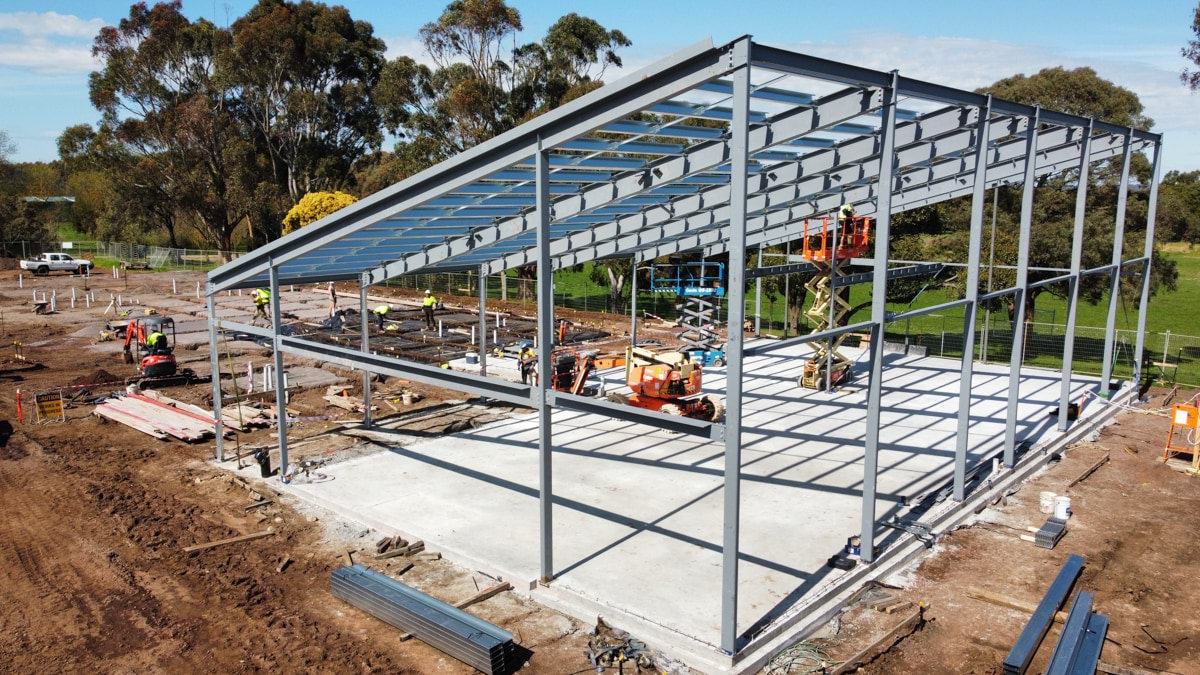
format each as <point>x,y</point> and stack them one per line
<point>638,511</point>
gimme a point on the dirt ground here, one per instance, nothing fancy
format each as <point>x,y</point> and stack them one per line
<point>1134,520</point>
<point>95,516</point>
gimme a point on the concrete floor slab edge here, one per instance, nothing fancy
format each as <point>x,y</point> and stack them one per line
<point>793,626</point>
<point>803,623</point>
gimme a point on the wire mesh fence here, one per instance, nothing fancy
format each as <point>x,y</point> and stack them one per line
<point>113,254</point>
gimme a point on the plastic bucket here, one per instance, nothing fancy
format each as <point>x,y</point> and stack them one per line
<point>1062,508</point>
<point>472,358</point>
<point>1047,502</point>
<point>406,398</point>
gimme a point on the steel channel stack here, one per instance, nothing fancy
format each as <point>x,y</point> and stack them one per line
<point>469,639</point>
<point>1017,661</point>
<point>1082,638</point>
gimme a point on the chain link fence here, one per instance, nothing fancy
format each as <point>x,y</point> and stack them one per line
<point>136,256</point>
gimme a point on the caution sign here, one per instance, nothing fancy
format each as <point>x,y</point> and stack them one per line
<point>50,407</point>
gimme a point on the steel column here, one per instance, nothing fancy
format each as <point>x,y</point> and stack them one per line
<point>883,226</point>
<point>545,349</point>
<point>1148,254</point>
<point>364,327</point>
<point>758,297</point>
<point>1076,264</point>
<point>633,306</point>
<point>214,355</point>
<point>739,177</point>
<point>1114,290</point>
<point>978,196</point>
<point>280,386</point>
<point>787,290</point>
<point>1022,294</point>
<point>483,343</point>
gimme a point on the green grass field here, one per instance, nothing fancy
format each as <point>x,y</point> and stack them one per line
<point>1175,311</point>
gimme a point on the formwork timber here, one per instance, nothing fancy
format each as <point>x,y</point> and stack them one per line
<point>637,510</point>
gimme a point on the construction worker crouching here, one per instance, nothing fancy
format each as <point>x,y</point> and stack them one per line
<point>262,297</point>
<point>381,313</point>
<point>428,305</point>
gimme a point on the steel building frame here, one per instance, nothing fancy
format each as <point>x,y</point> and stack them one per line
<point>554,192</point>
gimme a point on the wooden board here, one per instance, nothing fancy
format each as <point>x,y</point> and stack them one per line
<point>231,540</point>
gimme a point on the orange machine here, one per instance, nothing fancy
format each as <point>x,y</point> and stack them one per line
<point>667,382</point>
<point>157,360</point>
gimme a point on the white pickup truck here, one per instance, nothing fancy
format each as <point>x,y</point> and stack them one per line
<point>55,262</point>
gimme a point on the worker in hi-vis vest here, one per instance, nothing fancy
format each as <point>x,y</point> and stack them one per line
<point>381,313</point>
<point>428,304</point>
<point>261,298</point>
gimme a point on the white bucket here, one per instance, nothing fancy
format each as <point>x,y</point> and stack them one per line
<point>406,398</point>
<point>1048,502</point>
<point>1062,508</point>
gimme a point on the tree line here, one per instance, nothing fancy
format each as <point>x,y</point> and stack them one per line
<point>209,135</point>
<point>208,132</point>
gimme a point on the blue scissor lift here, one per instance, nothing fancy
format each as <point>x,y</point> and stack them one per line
<point>698,289</point>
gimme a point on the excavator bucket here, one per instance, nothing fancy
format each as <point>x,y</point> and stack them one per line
<point>127,356</point>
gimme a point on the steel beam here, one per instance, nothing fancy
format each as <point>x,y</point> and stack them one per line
<point>825,171</point>
<point>545,367</point>
<point>1148,254</point>
<point>672,423</point>
<point>1076,263</point>
<point>214,356</point>
<point>739,178</point>
<point>824,113</point>
<point>365,330</point>
<point>776,345</point>
<point>790,204</point>
<point>883,228</point>
<point>1028,187</point>
<point>785,61</point>
<point>502,390</point>
<point>1118,252</point>
<point>775,270</point>
<point>226,326</point>
<point>963,439</point>
<point>679,72</point>
<point>1021,655</point>
<point>281,416</point>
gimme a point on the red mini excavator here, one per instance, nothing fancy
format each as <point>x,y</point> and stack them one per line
<point>153,360</point>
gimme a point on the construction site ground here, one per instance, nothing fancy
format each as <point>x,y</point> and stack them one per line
<point>1135,521</point>
<point>95,517</point>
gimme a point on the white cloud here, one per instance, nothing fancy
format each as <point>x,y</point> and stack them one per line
<point>46,24</point>
<point>48,58</point>
<point>47,42</point>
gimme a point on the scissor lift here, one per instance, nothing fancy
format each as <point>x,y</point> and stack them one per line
<point>698,289</point>
<point>830,258</point>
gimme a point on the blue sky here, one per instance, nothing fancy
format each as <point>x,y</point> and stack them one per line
<point>45,59</point>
